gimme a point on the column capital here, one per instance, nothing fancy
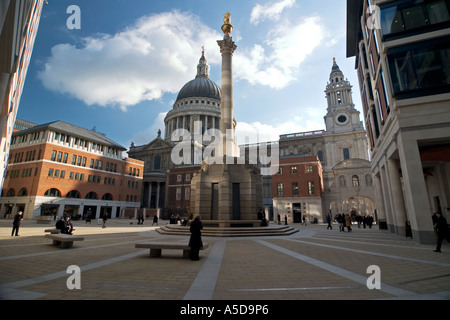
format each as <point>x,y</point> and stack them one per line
<point>226,45</point>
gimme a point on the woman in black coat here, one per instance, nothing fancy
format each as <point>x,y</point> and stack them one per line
<point>195,242</point>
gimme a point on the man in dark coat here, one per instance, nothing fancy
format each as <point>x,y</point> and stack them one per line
<point>195,242</point>
<point>441,227</point>
<point>61,225</point>
<point>16,223</point>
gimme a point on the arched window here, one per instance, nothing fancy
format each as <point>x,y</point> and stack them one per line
<point>23,192</point>
<point>91,195</point>
<point>355,181</point>
<point>107,196</point>
<point>52,193</point>
<point>73,194</point>
<point>11,193</point>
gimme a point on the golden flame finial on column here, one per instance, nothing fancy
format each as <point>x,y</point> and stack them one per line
<point>227,27</point>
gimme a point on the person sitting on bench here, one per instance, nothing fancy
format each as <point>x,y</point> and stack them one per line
<point>61,225</point>
<point>68,226</point>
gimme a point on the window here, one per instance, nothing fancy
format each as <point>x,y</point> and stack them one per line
<point>346,153</point>
<point>65,158</point>
<point>52,193</point>
<point>404,16</point>
<point>280,189</point>
<point>309,169</point>
<point>157,163</point>
<point>420,69</point>
<point>50,172</point>
<point>294,170</point>
<point>295,188</point>
<point>280,170</point>
<point>187,193</point>
<point>53,158</point>
<point>60,154</point>
<point>311,188</point>
<point>355,181</point>
<point>178,194</point>
<point>178,177</point>
<point>188,177</point>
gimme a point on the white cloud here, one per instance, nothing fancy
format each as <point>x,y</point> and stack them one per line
<point>146,136</point>
<point>269,11</point>
<point>277,62</point>
<point>156,55</point>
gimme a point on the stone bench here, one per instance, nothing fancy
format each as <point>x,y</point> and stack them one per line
<point>53,231</point>
<point>63,240</point>
<point>156,248</point>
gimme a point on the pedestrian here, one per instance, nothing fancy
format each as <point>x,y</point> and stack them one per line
<point>348,222</point>
<point>16,223</point>
<point>285,219</point>
<point>442,231</point>
<point>155,219</point>
<point>195,241</point>
<point>105,217</point>
<point>279,218</point>
<point>304,221</point>
<point>341,221</point>
<point>328,218</point>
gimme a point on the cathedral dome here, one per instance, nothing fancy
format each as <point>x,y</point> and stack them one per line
<point>201,86</point>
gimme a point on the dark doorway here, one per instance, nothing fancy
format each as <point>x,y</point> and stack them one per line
<point>236,202</point>
<point>297,210</point>
<point>215,201</point>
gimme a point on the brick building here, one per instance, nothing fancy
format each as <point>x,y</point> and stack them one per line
<point>298,188</point>
<point>60,169</point>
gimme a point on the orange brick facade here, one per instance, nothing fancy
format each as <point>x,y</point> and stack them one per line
<point>48,174</point>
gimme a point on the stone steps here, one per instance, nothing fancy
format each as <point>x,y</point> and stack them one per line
<point>276,230</point>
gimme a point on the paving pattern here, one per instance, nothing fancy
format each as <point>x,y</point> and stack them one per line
<point>312,264</point>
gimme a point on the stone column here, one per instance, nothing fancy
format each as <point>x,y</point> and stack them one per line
<point>397,197</point>
<point>227,48</point>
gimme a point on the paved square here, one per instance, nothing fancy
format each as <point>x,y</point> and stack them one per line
<point>312,264</point>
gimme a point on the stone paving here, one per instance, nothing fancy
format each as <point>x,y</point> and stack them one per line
<point>312,264</point>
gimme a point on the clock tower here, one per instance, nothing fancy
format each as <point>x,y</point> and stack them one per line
<point>341,114</point>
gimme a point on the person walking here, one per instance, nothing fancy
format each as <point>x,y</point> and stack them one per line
<point>442,231</point>
<point>285,219</point>
<point>195,241</point>
<point>155,219</point>
<point>348,222</point>
<point>16,223</point>
<point>304,221</point>
<point>279,218</point>
<point>105,217</point>
<point>328,218</point>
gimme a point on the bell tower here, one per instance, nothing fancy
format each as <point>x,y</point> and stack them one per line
<point>341,113</point>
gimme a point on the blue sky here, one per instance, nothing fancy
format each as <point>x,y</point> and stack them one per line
<point>122,70</point>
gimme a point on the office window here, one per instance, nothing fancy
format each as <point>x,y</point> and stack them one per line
<point>420,69</point>
<point>403,16</point>
<point>280,189</point>
<point>295,188</point>
<point>311,188</point>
